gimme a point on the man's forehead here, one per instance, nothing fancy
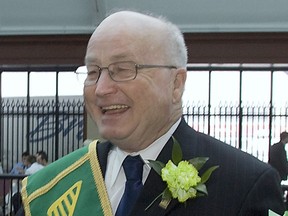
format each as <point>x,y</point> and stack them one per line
<point>125,32</point>
<point>129,21</point>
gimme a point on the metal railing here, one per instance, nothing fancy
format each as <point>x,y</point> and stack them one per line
<point>10,188</point>
<point>51,124</point>
<point>56,128</point>
<point>250,127</point>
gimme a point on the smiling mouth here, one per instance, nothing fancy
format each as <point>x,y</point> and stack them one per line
<point>113,108</point>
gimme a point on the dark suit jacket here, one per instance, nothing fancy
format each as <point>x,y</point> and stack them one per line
<point>278,159</point>
<point>242,185</point>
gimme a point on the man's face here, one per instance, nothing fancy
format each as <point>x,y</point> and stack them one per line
<point>38,159</point>
<point>24,159</point>
<point>131,112</point>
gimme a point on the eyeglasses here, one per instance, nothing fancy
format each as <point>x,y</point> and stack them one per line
<point>118,71</point>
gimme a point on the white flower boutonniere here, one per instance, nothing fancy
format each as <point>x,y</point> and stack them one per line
<point>182,177</point>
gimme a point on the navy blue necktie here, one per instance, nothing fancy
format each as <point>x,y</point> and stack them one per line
<point>133,168</point>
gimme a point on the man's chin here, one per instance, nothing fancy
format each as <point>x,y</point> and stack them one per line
<point>109,135</point>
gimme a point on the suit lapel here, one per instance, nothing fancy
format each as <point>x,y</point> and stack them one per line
<point>154,184</point>
<point>152,188</point>
<point>102,153</point>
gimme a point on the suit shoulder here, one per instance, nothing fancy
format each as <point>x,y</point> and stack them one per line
<point>221,153</point>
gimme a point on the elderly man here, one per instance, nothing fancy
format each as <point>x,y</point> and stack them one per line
<point>136,76</point>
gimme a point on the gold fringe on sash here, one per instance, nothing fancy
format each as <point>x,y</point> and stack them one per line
<point>99,180</point>
<point>97,175</point>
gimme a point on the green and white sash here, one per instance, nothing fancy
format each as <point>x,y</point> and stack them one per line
<point>71,186</point>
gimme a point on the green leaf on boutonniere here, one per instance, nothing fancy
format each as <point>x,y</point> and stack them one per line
<point>176,152</point>
<point>202,189</point>
<point>206,175</point>
<point>198,162</point>
<point>272,213</point>
<point>156,165</point>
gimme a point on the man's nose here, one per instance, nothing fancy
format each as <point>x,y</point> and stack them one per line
<point>105,84</point>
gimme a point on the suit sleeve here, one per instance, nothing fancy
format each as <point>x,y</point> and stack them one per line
<point>265,194</point>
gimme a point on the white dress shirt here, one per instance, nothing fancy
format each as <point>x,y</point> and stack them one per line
<point>34,168</point>
<point>115,177</point>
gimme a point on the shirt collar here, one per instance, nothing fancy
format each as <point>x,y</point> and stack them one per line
<point>149,153</point>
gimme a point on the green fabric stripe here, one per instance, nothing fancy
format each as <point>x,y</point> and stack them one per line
<point>88,202</point>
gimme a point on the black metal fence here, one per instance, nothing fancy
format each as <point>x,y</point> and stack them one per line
<point>10,199</point>
<point>251,128</point>
<point>56,128</point>
<point>52,124</point>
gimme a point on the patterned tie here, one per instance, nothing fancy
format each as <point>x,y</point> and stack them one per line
<point>133,168</point>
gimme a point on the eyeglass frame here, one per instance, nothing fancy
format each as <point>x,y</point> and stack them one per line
<point>137,67</point>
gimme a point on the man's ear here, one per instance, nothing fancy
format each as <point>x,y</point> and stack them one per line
<point>179,84</point>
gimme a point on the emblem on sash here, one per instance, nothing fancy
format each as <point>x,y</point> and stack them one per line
<point>65,205</point>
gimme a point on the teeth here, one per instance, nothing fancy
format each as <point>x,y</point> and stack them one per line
<point>114,107</point>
